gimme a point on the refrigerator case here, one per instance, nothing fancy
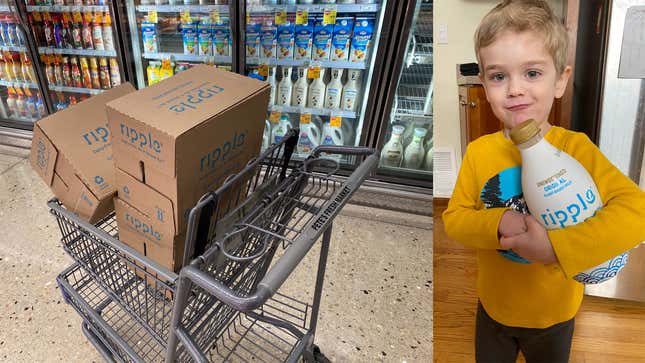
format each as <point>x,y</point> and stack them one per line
<point>21,99</point>
<point>169,36</point>
<point>405,136</point>
<point>320,60</point>
<point>78,47</point>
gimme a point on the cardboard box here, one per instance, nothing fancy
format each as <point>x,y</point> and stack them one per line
<point>71,150</point>
<point>177,140</point>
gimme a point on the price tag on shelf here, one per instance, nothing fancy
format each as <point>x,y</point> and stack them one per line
<point>329,16</point>
<point>263,70</point>
<point>280,16</point>
<point>335,121</point>
<point>185,16</point>
<point>313,72</point>
<point>152,16</point>
<point>305,118</point>
<point>274,117</point>
<point>214,14</point>
<point>302,16</point>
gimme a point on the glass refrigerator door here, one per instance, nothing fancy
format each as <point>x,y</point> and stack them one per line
<point>77,47</point>
<point>169,36</point>
<point>317,55</point>
<point>406,140</point>
<point>21,102</point>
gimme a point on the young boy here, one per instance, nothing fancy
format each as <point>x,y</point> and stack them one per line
<point>521,49</point>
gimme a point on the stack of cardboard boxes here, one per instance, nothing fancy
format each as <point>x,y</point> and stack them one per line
<point>173,142</point>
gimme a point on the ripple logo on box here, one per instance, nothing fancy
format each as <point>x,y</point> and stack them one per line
<point>141,227</point>
<point>569,214</point>
<point>193,99</point>
<point>99,134</point>
<point>221,152</point>
<point>98,180</point>
<point>42,155</point>
<point>143,140</point>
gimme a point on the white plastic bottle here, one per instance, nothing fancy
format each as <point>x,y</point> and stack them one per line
<point>278,131</point>
<point>309,138</point>
<point>285,87</point>
<point>108,42</point>
<point>266,135</point>
<point>392,151</point>
<point>273,83</point>
<point>332,135</point>
<point>299,94</point>
<point>334,90</point>
<point>429,155</point>
<point>316,91</point>
<point>414,152</point>
<point>559,191</point>
<point>350,90</point>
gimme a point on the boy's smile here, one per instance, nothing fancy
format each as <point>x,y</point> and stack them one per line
<point>520,78</point>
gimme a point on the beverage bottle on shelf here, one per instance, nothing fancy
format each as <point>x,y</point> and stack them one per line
<point>350,90</point>
<point>392,151</point>
<point>272,81</point>
<point>30,104</point>
<point>58,71</point>
<point>86,35</point>
<point>36,29</point>
<point>3,30</point>
<point>104,73</point>
<point>58,32</point>
<point>309,137</point>
<point>16,68</point>
<point>10,33</point>
<point>2,71</point>
<point>40,106</point>
<point>49,69</point>
<point>429,155</point>
<point>108,41</point>
<point>48,30</point>
<point>20,37</point>
<point>85,72</point>
<point>77,79</point>
<point>97,32</point>
<point>299,94</point>
<point>94,73</point>
<point>414,153</point>
<point>316,91</point>
<point>334,90</point>
<point>280,129</point>
<point>21,105</point>
<point>115,73</point>
<point>285,87</point>
<point>78,2</point>
<point>11,102</point>
<point>89,2</point>
<point>67,73</point>
<point>332,135</point>
<point>72,100</point>
<point>61,105</point>
<point>59,2</point>
<point>77,36</point>
<point>3,110</point>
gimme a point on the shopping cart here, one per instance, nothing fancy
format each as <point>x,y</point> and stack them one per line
<point>243,242</point>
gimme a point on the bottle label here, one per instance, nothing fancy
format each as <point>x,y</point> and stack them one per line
<point>580,206</point>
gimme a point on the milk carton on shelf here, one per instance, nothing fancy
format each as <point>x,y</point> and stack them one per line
<point>222,38</point>
<point>361,39</point>
<point>253,39</point>
<point>322,39</point>
<point>304,40</point>
<point>268,40</point>
<point>341,38</point>
<point>285,45</point>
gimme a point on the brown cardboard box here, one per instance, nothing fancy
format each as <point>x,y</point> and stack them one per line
<point>175,141</point>
<point>71,150</point>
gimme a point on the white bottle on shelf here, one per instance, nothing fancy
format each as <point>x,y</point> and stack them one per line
<point>350,90</point>
<point>334,90</point>
<point>392,151</point>
<point>285,87</point>
<point>278,131</point>
<point>415,153</point>
<point>316,91</point>
<point>273,83</point>
<point>332,135</point>
<point>299,96</point>
<point>108,42</point>
<point>429,155</point>
<point>266,135</point>
<point>309,138</point>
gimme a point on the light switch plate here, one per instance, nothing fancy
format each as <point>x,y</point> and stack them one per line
<point>442,36</point>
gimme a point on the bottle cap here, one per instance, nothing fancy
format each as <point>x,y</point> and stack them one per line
<point>398,130</point>
<point>524,131</point>
<point>420,132</point>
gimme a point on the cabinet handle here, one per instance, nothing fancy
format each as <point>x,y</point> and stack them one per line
<point>464,103</point>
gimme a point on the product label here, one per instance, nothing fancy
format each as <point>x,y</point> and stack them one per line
<point>361,39</point>
<point>304,40</point>
<point>229,150</point>
<point>570,214</point>
<point>269,40</point>
<point>139,139</point>
<point>222,39</point>
<point>142,228</point>
<point>193,98</point>
<point>253,39</point>
<point>205,39</point>
<point>149,37</point>
<point>322,40</point>
<point>285,40</point>
<point>97,138</point>
<point>189,34</point>
<point>341,39</point>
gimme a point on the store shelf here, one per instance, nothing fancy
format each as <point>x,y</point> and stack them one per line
<point>87,52</point>
<point>188,57</point>
<point>22,119</point>
<point>223,9</point>
<point>18,84</point>
<point>5,8</point>
<point>11,48</point>
<point>68,8</point>
<point>315,8</point>
<point>400,171</point>
<point>306,63</point>
<point>76,90</point>
<point>313,111</point>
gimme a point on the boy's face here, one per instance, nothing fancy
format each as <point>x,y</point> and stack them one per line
<point>520,78</point>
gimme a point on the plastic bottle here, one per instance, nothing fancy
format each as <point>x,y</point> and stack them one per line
<point>11,102</point>
<point>94,73</point>
<point>274,86</point>
<point>350,90</point>
<point>334,90</point>
<point>58,72</point>
<point>49,69</point>
<point>429,156</point>
<point>415,152</point>
<point>108,41</point>
<point>67,73</point>
<point>30,105</point>
<point>58,32</point>
<point>85,72</point>
<point>66,33</point>
<point>21,104</point>
<point>285,87</point>
<point>76,73</point>
<point>280,129</point>
<point>316,91</point>
<point>48,30</point>
<point>299,94</point>
<point>86,35</point>
<point>104,74</point>
<point>392,151</point>
<point>309,138</point>
<point>115,73</point>
<point>40,106</point>
<point>97,32</point>
<point>559,191</point>
<point>332,135</point>
<point>77,37</point>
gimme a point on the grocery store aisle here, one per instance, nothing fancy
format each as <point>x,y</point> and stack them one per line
<point>376,306</point>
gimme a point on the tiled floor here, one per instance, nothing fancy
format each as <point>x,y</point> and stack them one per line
<point>377,297</point>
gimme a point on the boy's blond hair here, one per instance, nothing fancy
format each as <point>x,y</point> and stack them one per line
<point>520,16</point>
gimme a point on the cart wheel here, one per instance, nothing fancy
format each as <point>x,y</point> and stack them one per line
<point>319,357</point>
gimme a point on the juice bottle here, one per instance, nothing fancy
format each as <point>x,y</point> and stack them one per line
<point>3,30</point>
<point>104,73</point>
<point>21,106</point>
<point>68,42</point>
<point>58,32</point>
<point>11,31</point>
<point>58,71</point>
<point>153,72</point>
<point>108,42</point>
<point>27,68</point>
<point>49,69</point>
<point>16,68</point>
<point>72,100</point>
<point>97,32</point>
<point>94,73</point>
<point>85,72</point>
<point>67,73</point>
<point>48,30</point>
<point>40,106</point>
<point>11,102</point>
<point>36,27</point>
<point>30,104</point>
<point>115,74</point>
<point>2,71</point>
<point>77,35</point>
<point>86,35</point>
<point>76,73</point>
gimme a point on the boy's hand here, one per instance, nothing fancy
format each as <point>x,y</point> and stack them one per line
<point>534,245</point>
<point>511,224</point>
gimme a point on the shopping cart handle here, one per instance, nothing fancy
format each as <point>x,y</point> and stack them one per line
<point>344,150</point>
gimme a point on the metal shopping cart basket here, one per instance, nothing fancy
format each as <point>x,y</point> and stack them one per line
<point>243,242</point>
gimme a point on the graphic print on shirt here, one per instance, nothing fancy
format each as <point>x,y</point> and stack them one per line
<point>502,191</point>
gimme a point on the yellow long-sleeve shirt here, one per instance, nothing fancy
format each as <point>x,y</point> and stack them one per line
<point>536,295</point>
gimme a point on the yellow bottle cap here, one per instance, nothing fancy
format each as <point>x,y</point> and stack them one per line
<point>524,131</point>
